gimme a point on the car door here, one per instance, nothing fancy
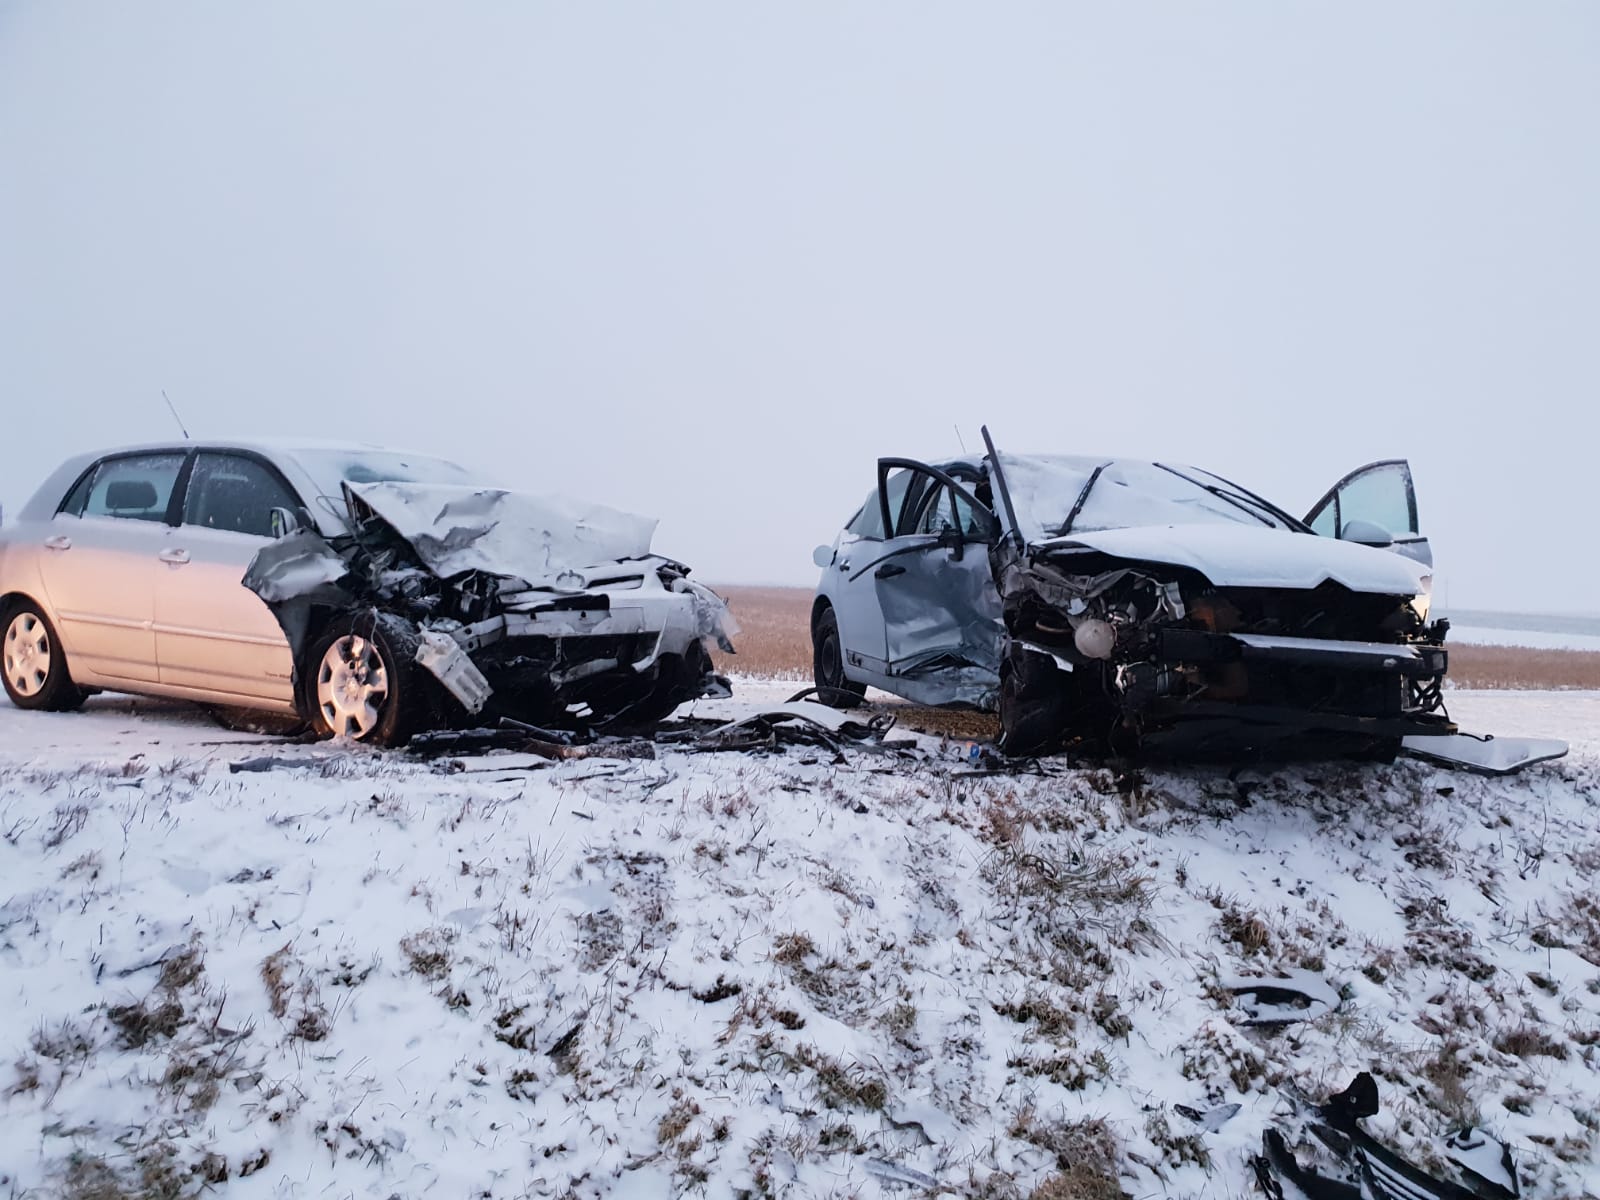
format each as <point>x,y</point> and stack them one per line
<point>940,607</point>
<point>853,589</point>
<point>212,632</point>
<point>100,561</point>
<point>1381,494</point>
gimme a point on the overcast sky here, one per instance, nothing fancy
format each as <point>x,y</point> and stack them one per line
<point>708,261</point>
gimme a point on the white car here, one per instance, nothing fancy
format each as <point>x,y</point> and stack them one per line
<point>389,592</point>
<point>1112,603</point>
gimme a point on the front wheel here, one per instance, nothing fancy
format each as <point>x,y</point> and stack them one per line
<point>35,665</point>
<point>827,664</point>
<point>361,680</point>
<point>1034,708</point>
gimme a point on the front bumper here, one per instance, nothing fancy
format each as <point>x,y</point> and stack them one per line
<point>1378,658</point>
<point>1256,689</point>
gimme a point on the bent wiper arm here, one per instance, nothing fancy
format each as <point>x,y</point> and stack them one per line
<point>1083,497</point>
<point>1264,515</point>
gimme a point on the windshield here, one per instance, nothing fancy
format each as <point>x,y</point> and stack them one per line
<point>331,468</point>
<point>1057,495</point>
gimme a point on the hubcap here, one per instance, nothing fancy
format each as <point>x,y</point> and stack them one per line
<point>352,686</point>
<point>27,654</point>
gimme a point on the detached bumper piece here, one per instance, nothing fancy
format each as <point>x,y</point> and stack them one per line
<point>1354,1166</point>
<point>1484,754</point>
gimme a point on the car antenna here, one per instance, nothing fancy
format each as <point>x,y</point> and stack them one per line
<point>959,440</point>
<point>174,411</point>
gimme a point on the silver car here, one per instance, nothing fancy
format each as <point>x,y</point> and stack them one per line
<point>388,593</point>
<point>1123,605</point>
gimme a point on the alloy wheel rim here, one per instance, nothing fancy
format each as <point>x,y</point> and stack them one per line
<point>27,654</point>
<point>352,686</point>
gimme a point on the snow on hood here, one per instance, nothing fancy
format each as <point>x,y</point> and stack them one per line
<point>1238,556</point>
<point>455,528</point>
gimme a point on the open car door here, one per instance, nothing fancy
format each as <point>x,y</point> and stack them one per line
<point>935,589</point>
<point>1377,506</point>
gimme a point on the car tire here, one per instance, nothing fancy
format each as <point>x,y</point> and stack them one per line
<point>360,680</point>
<point>34,664</point>
<point>1034,706</point>
<point>827,664</point>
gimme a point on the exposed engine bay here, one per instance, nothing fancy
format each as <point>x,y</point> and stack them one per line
<point>1141,655</point>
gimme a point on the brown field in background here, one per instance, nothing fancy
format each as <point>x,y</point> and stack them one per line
<point>1522,668</point>
<point>775,632</point>
<point>776,641</point>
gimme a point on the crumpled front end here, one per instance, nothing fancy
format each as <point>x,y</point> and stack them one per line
<point>510,621</point>
<point>1142,656</point>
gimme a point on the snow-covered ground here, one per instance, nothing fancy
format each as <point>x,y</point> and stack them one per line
<point>355,973</point>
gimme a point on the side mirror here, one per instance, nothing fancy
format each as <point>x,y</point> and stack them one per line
<point>1367,533</point>
<point>285,521</point>
<point>823,556</point>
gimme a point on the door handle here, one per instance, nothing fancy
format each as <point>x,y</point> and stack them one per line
<point>844,564</point>
<point>888,571</point>
<point>176,557</point>
<point>59,541</point>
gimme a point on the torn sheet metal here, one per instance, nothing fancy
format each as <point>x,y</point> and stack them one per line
<point>539,608</point>
<point>446,661</point>
<point>1349,1164</point>
<point>454,528</point>
<point>1296,995</point>
<point>776,727</point>
<point>1484,754</point>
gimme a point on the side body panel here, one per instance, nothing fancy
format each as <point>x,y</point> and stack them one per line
<point>98,575</point>
<point>211,631</point>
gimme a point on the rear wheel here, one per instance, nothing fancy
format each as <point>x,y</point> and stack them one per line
<point>827,664</point>
<point>361,680</point>
<point>35,666</point>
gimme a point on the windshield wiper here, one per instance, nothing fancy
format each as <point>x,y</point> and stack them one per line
<point>1249,505</point>
<point>1083,497</point>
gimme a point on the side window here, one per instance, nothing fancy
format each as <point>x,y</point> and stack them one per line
<point>868,522</point>
<point>1326,522</point>
<point>238,494</point>
<point>937,516</point>
<point>134,487</point>
<point>1381,495</point>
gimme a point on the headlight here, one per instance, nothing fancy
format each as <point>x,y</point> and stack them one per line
<point>1424,599</point>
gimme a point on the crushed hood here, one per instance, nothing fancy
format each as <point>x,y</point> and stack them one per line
<point>455,528</point>
<point>1240,556</point>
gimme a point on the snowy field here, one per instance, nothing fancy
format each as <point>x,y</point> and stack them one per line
<point>355,973</point>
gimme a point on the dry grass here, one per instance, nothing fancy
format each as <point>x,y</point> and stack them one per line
<point>1521,668</point>
<point>776,641</point>
<point>775,632</point>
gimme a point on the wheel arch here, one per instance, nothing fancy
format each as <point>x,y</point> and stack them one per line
<point>819,605</point>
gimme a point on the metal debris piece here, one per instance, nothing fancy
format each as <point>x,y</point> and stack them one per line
<point>1284,999</point>
<point>1355,1166</point>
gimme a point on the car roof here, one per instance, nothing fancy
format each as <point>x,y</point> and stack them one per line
<point>265,445</point>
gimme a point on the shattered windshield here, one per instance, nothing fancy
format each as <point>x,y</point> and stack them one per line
<point>1056,495</point>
